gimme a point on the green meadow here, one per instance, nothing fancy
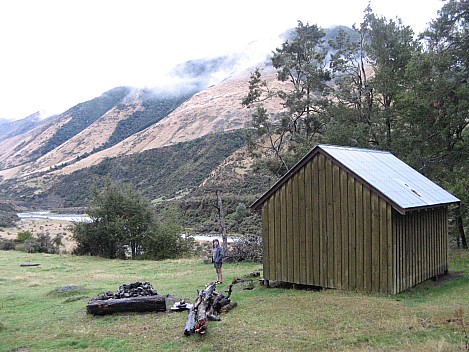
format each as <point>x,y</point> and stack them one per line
<point>37,315</point>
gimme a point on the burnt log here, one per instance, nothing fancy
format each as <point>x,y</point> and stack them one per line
<point>215,304</point>
<point>208,292</point>
<point>155,303</point>
<point>213,317</point>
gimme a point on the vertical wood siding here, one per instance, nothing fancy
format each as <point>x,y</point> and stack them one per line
<point>325,228</point>
<point>421,238</point>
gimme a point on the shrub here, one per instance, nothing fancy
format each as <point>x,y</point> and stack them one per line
<point>7,245</point>
<point>167,242</point>
<point>124,225</point>
<point>24,236</point>
<point>246,248</point>
<point>42,244</point>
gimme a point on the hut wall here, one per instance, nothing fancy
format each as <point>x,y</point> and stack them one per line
<point>421,239</point>
<point>325,228</point>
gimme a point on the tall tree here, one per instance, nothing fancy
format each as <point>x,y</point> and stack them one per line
<point>435,105</point>
<point>221,216</point>
<point>301,61</point>
<point>369,72</point>
<point>352,115</point>
<point>389,48</point>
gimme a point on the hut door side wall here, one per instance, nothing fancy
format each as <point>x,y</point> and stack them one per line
<point>421,246</point>
<point>300,244</point>
<point>369,238</point>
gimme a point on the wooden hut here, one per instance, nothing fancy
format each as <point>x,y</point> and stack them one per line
<point>354,219</point>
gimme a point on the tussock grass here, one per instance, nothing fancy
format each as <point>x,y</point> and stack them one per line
<point>37,316</point>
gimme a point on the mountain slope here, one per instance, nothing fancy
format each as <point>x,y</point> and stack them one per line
<point>213,110</point>
<point>82,116</point>
<point>159,173</point>
<point>125,123</point>
<point>9,129</point>
<point>208,113</point>
<point>82,130</point>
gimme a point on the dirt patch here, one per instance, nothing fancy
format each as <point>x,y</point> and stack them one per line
<point>439,280</point>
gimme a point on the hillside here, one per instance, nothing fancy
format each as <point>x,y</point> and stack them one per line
<point>83,129</point>
<point>8,214</point>
<point>133,128</point>
<point>153,172</point>
<point>9,129</point>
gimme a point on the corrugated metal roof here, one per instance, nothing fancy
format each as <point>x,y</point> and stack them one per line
<point>396,180</point>
<point>404,187</point>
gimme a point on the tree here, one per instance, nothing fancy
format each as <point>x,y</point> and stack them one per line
<point>435,107</point>
<point>123,224</point>
<point>121,218</point>
<point>221,216</point>
<point>369,67</point>
<point>352,115</point>
<point>389,49</point>
<point>301,62</point>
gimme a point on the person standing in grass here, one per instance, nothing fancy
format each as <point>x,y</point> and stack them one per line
<point>217,259</point>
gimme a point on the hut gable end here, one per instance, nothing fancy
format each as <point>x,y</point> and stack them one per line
<point>402,186</point>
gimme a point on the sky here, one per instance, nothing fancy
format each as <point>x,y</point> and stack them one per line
<point>55,54</point>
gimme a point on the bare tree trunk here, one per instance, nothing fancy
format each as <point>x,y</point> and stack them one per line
<point>221,215</point>
<point>460,226</point>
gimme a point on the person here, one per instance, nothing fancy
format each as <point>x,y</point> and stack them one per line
<point>217,259</point>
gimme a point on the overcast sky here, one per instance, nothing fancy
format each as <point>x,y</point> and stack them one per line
<point>57,53</point>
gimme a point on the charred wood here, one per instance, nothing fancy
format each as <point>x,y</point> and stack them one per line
<point>133,304</point>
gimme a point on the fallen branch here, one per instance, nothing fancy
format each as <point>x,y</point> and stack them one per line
<point>206,306</point>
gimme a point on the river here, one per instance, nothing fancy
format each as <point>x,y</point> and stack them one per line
<point>38,215</point>
<point>46,215</point>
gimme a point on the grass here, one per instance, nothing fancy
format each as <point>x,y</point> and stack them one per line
<point>36,314</point>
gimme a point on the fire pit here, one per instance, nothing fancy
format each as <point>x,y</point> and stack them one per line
<point>133,297</point>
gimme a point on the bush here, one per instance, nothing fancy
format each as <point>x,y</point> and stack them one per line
<point>42,244</point>
<point>124,225</point>
<point>7,245</point>
<point>167,242</point>
<point>24,236</point>
<point>246,248</point>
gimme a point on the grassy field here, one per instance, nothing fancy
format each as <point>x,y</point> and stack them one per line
<point>35,316</point>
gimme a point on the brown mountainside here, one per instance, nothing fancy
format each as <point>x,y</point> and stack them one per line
<point>213,110</point>
<point>32,160</point>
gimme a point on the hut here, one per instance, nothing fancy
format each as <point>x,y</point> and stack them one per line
<point>354,219</point>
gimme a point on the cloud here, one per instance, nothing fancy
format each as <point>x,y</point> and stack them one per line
<point>59,53</point>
